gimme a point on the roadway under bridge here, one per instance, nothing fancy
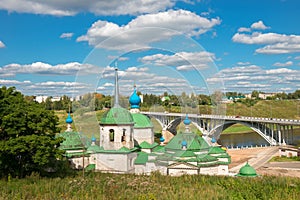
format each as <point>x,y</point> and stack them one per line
<point>275,131</point>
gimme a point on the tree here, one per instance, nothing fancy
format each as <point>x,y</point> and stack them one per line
<point>255,94</point>
<point>27,135</point>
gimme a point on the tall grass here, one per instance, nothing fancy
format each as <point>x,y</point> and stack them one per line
<point>155,186</point>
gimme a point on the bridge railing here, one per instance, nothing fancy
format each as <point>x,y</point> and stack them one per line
<point>228,117</point>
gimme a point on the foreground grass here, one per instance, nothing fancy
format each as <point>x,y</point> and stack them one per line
<point>284,159</point>
<point>155,186</point>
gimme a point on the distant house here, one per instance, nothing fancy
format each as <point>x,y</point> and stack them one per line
<point>265,95</point>
<point>260,95</point>
<point>289,152</point>
<point>248,96</point>
<point>41,99</point>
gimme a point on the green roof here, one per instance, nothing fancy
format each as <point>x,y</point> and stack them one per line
<point>216,150</point>
<point>165,157</point>
<point>159,149</point>
<point>183,154</point>
<point>122,150</point>
<point>194,142</point>
<point>117,115</point>
<point>73,140</point>
<point>146,145</point>
<point>141,121</point>
<point>206,158</point>
<point>203,159</point>
<point>142,158</point>
<point>247,171</point>
<point>94,149</point>
<point>75,154</point>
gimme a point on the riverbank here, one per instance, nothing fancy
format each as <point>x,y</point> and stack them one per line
<point>258,158</point>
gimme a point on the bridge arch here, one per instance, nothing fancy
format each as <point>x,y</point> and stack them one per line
<point>175,122</point>
<point>257,127</point>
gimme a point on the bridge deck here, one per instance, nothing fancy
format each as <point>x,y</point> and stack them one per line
<point>232,118</point>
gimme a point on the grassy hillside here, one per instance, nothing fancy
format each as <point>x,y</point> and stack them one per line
<point>88,122</point>
<point>289,109</point>
<point>155,186</point>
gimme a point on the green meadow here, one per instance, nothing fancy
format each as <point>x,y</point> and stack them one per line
<point>155,186</point>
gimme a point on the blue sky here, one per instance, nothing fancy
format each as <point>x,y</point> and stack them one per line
<point>71,47</point>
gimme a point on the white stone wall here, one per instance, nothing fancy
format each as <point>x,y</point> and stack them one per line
<point>143,134</point>
<point>139,169</point>
<point>179,172</point>
<point>223,170</point>
<point>209,170</point>
<point>118,134</point>
<point>288,153</point>
<point>115,162</point>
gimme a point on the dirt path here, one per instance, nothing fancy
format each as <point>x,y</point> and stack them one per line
<point>258,158</point>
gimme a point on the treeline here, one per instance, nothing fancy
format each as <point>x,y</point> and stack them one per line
<point>97,101</point>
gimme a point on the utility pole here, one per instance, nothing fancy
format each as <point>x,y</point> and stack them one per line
<point>83,160</point>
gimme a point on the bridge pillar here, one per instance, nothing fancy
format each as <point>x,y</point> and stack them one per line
<point>272,133</point>
<point>292,134</point>
<point>209,126</point>
<point>279,134</point>
<point>283,135</point>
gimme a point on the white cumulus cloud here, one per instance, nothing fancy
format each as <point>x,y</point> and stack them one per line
<point>275,43</point>
<point>182,60</point>
<point>102,7</point>
<point>286,64</point>
<point>46,69</point>
<point>282,71</point>
<point>137,34</point>
<point>244,29</point>
<point>66,35</point>
<point>248,78</point>
<point>259,25</point>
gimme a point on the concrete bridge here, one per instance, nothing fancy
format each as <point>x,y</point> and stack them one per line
<point>275,131</point>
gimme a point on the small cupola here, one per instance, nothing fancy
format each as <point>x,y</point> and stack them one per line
<point>184,145</point>
<point>247,171</point>
<point>93,140</point>
<point>187,122</point>
<point>161,139</point>
<point>134,100</point>
<point>69,121</point>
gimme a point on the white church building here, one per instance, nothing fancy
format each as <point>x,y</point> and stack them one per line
<point>127,146</point>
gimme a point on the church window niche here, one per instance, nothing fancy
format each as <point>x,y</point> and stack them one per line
<point>111,135</point>
<point>123,136</point>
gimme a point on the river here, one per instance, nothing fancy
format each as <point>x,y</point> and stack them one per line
<point>249,139</point>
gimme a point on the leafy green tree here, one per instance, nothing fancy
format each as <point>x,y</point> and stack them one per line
<point>255,94</point>
<point>27,135</point>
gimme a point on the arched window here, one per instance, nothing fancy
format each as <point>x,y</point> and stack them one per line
<point>123,136</point>
<point>111,135</point>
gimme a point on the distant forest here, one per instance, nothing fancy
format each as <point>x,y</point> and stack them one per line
<point>97,101</point>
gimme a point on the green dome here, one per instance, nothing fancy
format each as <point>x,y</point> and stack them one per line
<point>193,141</point>
<point>247,170</point>
<point>117,115</point>
<point>141,121</point>
<point>73,140</point>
